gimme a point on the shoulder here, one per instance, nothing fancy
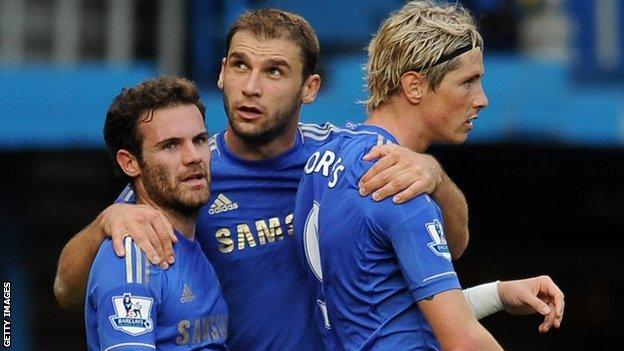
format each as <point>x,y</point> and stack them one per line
<point>109,271</point>
<point>387,215</point>
<point>316,132</point>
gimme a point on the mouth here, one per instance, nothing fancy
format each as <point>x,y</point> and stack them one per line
<point>197,178</point>
<point>249,112</point>
<point>469,121</point>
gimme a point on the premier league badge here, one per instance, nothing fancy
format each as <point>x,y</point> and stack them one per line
<point>132,314</point>
<point>438,246</point>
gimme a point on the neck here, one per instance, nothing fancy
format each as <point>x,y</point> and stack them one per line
<point>253,151</point>
<point>403,122</point>
<point>183,223</point>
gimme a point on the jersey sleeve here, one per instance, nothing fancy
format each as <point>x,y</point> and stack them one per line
<point>126,318</point>
<point>125,297</point>
<point>415,232</point>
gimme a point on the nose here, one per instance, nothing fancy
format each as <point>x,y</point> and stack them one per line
<point>481,101</point>
<point>252,85</point>
<point>191,154</point>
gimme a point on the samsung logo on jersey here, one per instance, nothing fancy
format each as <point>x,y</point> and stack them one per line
<point>326,164</point>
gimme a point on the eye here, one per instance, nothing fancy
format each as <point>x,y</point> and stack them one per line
<point>472,80</point>
<point>172,145</point>
<point>275,72</point>
<point>239,65</point>
<point>201,139</point>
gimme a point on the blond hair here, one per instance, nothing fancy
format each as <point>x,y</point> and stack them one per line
<point>415,38</point>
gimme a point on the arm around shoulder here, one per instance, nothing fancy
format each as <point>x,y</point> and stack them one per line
<point>74,263</point>
<point>148,227</point>
<point>454,208</point>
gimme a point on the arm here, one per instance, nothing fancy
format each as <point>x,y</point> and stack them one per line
<point>148,227</point>
<point>74,263</point>
<point>453,323</point>
<point>406,174</point>
<point>455,212</point>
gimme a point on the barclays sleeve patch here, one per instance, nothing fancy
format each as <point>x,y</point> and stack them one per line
<point>438,245</point>
<point>132,314</point>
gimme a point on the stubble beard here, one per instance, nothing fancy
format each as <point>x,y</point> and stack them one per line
<point>268,130</point>
<point>165,190</point>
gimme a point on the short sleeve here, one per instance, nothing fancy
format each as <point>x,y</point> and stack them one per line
<point>415,232</point>
<point>123,297</point>
<point>126,318</point>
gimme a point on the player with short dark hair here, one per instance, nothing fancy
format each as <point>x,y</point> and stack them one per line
<point>155,133</point>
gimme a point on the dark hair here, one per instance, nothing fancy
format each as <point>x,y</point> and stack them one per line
<point>275,24</point>
<point>137,104</point>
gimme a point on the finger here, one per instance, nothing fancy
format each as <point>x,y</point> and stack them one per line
<point>538,305</point>
<point>377,151</point>
<point>559,313</point>
<point>147,240</point>
<point>117,235</point>
<point>549,321</point>
<point>365,182</point>
<point>164,230</point>
<point>418,187</point>
<point>389,182</point>
<point>556,296</point>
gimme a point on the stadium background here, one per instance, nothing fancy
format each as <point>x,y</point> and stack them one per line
<point>542,170</point>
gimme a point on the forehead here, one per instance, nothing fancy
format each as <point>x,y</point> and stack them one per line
<point>172,122</point>
<point>256,47</point>
<point>470,64</point>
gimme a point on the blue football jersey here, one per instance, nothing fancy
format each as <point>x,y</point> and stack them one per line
<point>134,305</point>
<point>247,230</point>
<point>369,262</point>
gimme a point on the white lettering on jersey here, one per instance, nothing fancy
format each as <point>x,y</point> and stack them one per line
<point>327,165</point>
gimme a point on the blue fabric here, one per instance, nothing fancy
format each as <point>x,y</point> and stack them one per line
<point>376,258</point>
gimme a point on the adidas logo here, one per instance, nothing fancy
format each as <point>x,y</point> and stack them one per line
<point>187,294</point>
<point>222,204</point>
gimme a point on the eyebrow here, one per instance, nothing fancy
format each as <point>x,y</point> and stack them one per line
<point>278,62</point>
<point>165,141</point>
<point>269,62</point>
<point>237,55</point>
<point>176,139</point>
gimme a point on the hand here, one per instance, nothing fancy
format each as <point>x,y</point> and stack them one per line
<point>537,294</point>
<point>399,172</point>
<point>148,227</point>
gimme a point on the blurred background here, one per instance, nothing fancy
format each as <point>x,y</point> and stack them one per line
<point>542,170</point>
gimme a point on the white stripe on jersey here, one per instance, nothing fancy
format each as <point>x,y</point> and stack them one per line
<point>316,128</point>
<point>129,192</point>
<point>139,264</point>
<point>130,344</point>
<point>212,142</point>
<point>316,132</point>
<point>320,133</point>
<point>128,245</point>
<point>438,276</point>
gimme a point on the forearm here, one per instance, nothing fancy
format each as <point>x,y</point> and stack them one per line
<point>74,264</point>
<point>455,211</point>
<point>484,299</point>
<point>453,323</point>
